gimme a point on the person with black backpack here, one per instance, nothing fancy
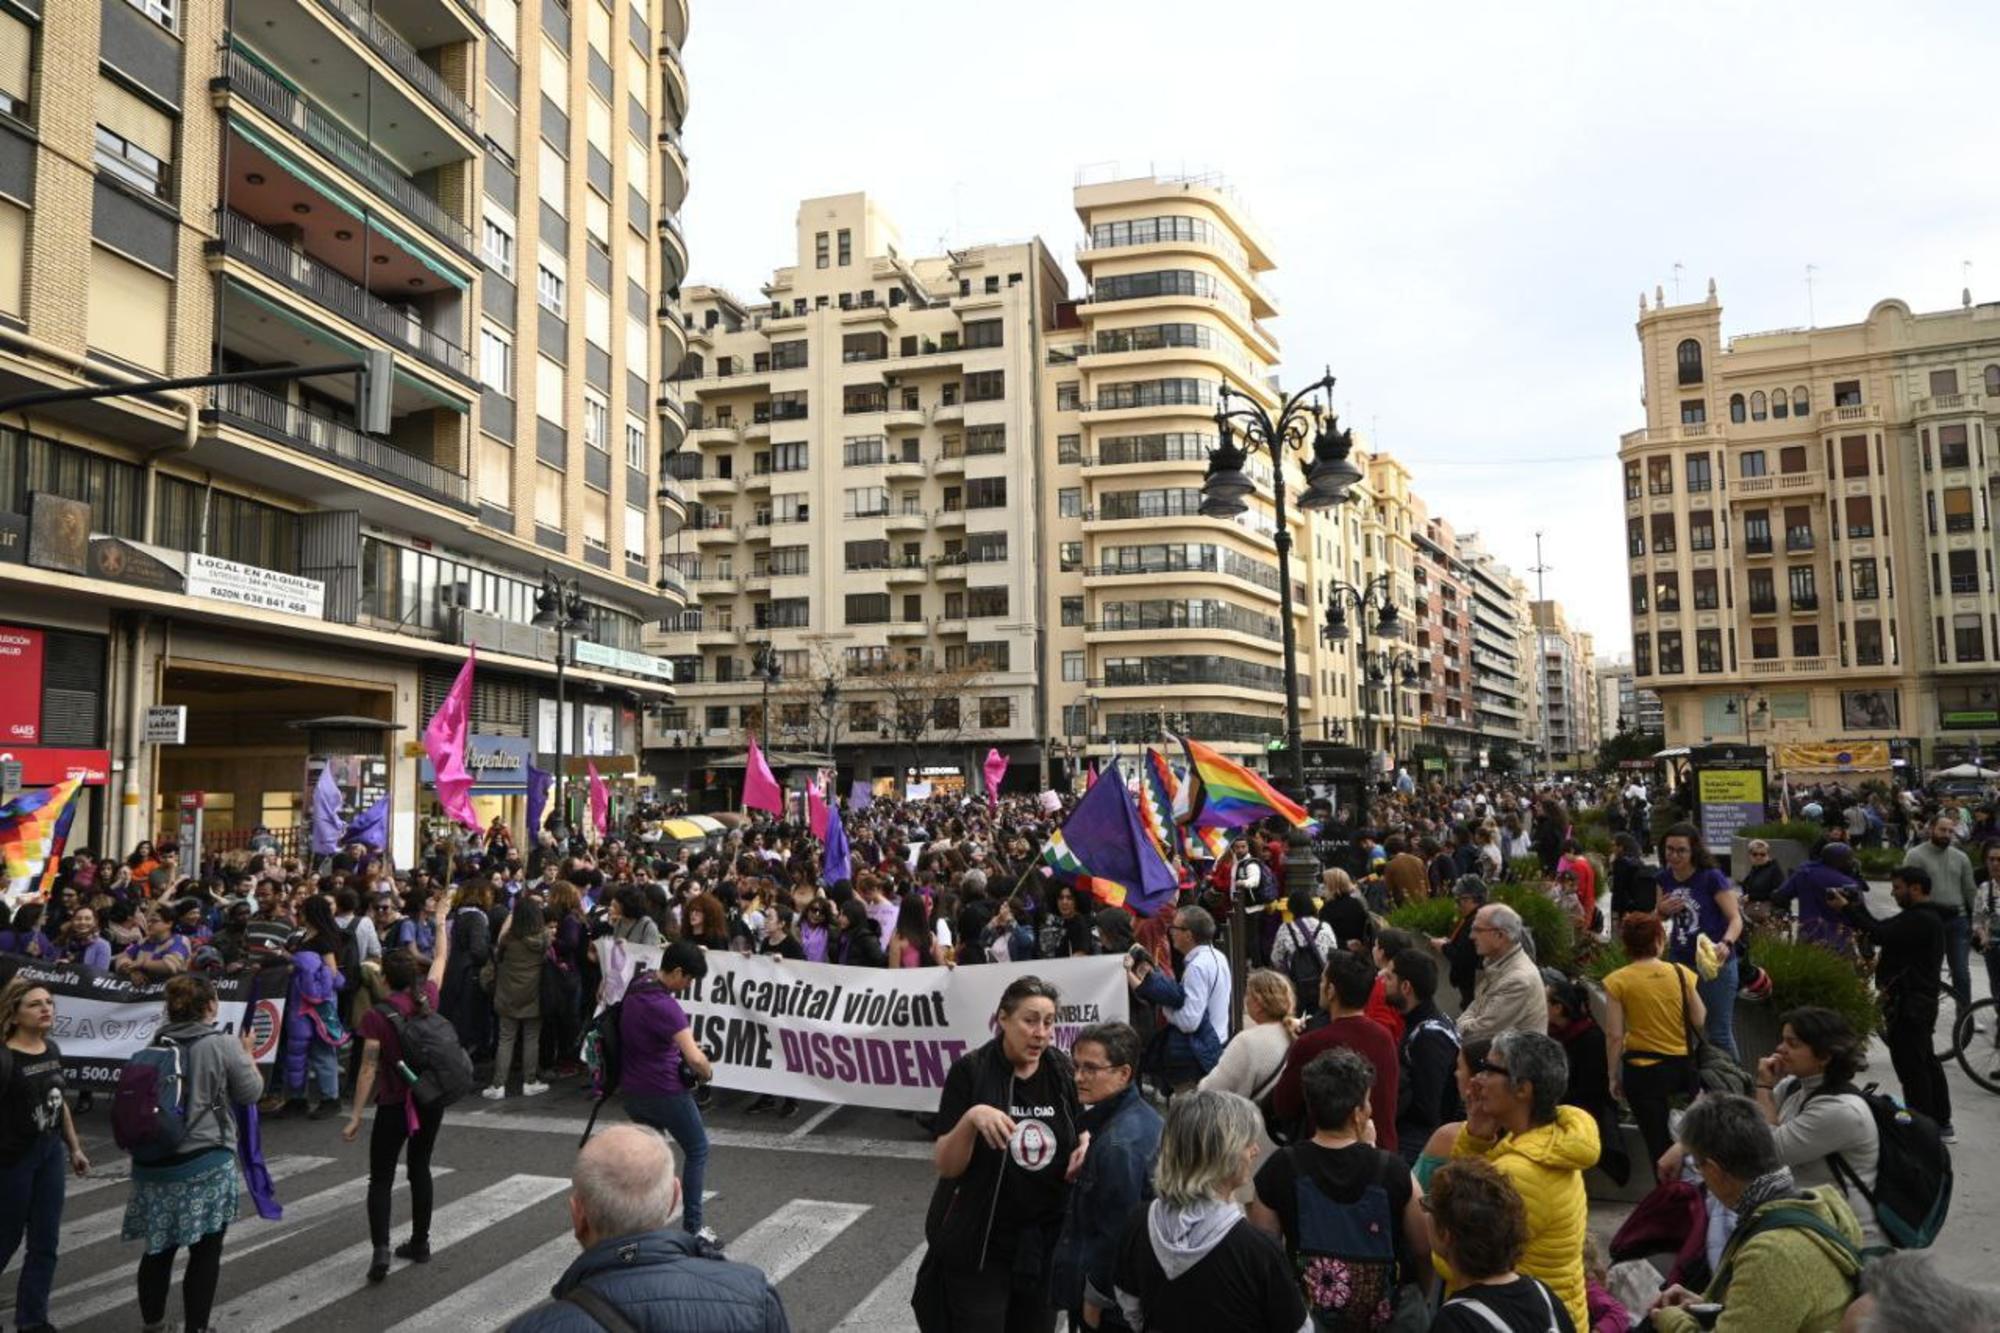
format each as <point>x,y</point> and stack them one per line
<point>183,1143</point>
<point>1300,950</point>
<point>427,1070</point>
<point>661,1065</point>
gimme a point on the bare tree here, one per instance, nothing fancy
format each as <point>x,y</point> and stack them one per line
<point>923,701</point>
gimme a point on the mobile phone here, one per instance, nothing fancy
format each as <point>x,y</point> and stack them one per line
<point>1704,1313</point>
<point>1137,953</point>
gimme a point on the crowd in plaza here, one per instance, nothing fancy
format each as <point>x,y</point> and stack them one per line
<point>1387,1128</point>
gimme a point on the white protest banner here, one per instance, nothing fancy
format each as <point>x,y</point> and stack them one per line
<point>102,1019</point>
<point>864,1036</point>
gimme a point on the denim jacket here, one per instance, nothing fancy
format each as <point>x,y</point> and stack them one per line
<point>1116,1178</point>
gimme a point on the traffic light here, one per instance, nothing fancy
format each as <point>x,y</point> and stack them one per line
<point>378,385</point>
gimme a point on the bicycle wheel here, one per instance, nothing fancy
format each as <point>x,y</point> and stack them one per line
<point>1949,1016</point>
<point>1980,1059</point>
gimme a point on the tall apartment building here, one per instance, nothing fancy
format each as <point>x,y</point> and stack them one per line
<point>187,187</point>
<point>1621,704</point>
<point>1810,530</point>
<point>1568,721</point>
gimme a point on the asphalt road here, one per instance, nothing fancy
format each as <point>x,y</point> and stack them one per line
<point>829,1204</point>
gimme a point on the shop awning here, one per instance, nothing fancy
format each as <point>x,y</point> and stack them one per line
<point>1854,757</point>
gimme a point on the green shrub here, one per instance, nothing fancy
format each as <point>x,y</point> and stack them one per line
<point>1525,869</point>
<point>1596,840</point>
<point>1796,830</point>
<point>1878,862</point>
<point>1555,940</point>
<point>1429,917</point>
<point>1607,958</point>
<point>1803,973</point>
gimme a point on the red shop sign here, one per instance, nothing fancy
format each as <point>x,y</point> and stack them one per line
<point>45,766</point>
<point>20,685</point>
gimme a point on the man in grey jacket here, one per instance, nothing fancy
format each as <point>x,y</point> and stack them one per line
<point>635,1262</point>
<point>1952,889</point>
<point>1508,992</point>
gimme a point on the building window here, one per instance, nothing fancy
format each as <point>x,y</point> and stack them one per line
<point>1069,397</point>
<point>1069,502</point>
<point>985,333</point>
<point>1706,595</point>
<point>1663,534</point>
<point>1072,611</point>
<point>986,493</point>
<point>822,250</point>
<point>1798,528</point>
<point>1968,641</point>
<point>635,444</point>
<point>985,386</point>
<point>1943,383</point>
<point>1805,641</point>
<point>1708,650</point>
<point>1758,410</point>
<point>496,361</point>
<point>1635,537</point>
<point>1861,579</point>
<point>130,163</point>
<point>1763,587</point>
<point>1992,381</point>
<point>1069,448</point>
<point>1660,476</point>
<point>1701,530</point>
<point>1736,408</point>
<point>996,714</point>
<point>1699,478</point>
<point>1688,357</point>
<point>1780,406</point>
<point>986,602</point>
<point>549,289</point>
<point>1667,592</point>
<point>1069,556</point>
<point>868,608</point>
<point>1792,460</point>
<point>596,423</point>
<point>1642,654</point>
<point>497,243</point>
<point>1670,653</point>
<point>1847,393</point>
<point>1804,588</point>
<point>1951,446</point>
<point>1640,587</point>
<point>1635,488</point>
<point>1751,464</point>
<point>1693,411</point>
<point>867,501</point>
<point>1072,667</point>
<point>1854,456</point>
<point>846,247</point>
<point>1868,643</point>
<point>1860,516</point>
<point>1764,642</point>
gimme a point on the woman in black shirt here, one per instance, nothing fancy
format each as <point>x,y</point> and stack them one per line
<point>37,1141</point>
<point>1480,1226</point>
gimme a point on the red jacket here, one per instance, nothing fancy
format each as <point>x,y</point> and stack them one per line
<point>1358,1033</point>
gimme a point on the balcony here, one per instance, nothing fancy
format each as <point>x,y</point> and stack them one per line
<point>949,568</point>
<point>909,629</point>
<point>358,18</point>
<point>1752,546</point>
<point>903,418</point>
<point>672,583</point>
<point>1807,603</point>
<point>717,638</point>
<point>912,570</point>
<point>707,489</point>
<point>907,522</point>
<point>948,414</point>
<point>1948,404</point>
<point>673,171</point>
<point>950,518</point>
<point>273,418</point>
<point>673,252</point>
<point>1798,541</point>
<point>1760,606</point>
<point>905,469</point>
<point>1850,414</point>
<point>1791,666</point>
<point>720,433</point>
<point>950,463</point>
<point>328,136</point>
<point>245,242</point>
<point>675,82</point>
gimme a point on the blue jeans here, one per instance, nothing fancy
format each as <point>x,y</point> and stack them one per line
<point>1719,996</point>
<point>680,1119</point>
<point>31,1201</point>
<point>322,1068</point>
<point>1958,952</point>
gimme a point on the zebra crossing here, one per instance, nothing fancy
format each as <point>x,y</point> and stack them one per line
<point>499,1242</point>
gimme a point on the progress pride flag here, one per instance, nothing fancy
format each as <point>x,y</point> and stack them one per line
<point>861,1035</point>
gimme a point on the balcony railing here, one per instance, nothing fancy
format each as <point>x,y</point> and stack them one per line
<point>336,141</point>
<point>245,240</point>
<point>1965,583</point>
<point>275,419</point>
<point>398,54</point>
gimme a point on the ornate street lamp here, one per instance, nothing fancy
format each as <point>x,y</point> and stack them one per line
<point>559,606</point>
<point>1377,596</point>
<point>764,664</point>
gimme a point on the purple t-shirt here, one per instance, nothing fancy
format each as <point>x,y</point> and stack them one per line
<point>1701,889</point>
<point>650,1027</point>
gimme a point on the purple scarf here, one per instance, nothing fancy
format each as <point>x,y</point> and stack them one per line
<point>250,1154</point>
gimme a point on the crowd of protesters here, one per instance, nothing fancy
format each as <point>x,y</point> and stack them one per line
<point>1383,1130</point>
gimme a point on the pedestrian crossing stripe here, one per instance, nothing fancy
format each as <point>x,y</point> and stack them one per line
<point>787,1238</point>
<point>832,1145</point>
<point>115,1286</point>
<point>887,1308</point>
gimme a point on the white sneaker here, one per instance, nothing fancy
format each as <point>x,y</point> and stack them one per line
<point>493,1094</point>
<point>533,1089</point>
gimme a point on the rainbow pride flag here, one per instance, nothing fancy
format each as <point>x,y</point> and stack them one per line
<point>28,831</point>
<point>1221,793</point>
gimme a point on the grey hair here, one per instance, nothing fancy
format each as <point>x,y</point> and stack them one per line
<point>1907,1283</point>
<point>624,1180</point>
<point>1732,1133</point>
<point>1199,924</point>
<point>1202,1146</point>
<point>1537,1060</point>
<point>1506,920</point>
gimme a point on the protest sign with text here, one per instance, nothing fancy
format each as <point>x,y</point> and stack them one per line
<point>102,1019</point>
<point>864,1036</point>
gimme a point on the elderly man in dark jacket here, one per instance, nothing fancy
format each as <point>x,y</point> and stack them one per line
<point>636,1263</point>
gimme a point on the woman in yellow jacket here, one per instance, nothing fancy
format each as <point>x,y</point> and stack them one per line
<point>1514,1119</point>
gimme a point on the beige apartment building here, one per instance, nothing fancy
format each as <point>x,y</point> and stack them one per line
<point>955,504</point>
<point>485,191</point>
<point>1810,534</point>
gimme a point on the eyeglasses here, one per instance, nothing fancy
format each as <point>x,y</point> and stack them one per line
<point>1092,1068</point>
<point>1488,1067</point>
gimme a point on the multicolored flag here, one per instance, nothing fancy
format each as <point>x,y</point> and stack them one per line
<point>1221,793</point>
<point>444,741</point>
<point>1157,786</point>
<point>28,826</point>
<point>53,862</point>
<point>1104,849</point>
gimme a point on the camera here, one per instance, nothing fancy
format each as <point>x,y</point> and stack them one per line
<point>1137,953</point>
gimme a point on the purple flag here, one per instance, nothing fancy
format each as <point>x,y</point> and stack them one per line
<point>861,795</point>
<point>444,741</point>
<point>371,827</point>
<point>326,813</point>
<point>540,783</point>
<point>835,859</point>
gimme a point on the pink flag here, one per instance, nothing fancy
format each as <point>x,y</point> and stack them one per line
<point>760,788</point>
<point>600,801</point>
<point>444,742</point>
<point>815,812</point>
<point>996,768</point>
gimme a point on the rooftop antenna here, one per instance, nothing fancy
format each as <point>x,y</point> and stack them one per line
<point>1812,320</point>
<point>1677,281</point>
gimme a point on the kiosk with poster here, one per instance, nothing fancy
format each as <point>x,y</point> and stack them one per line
<point>1729,784</point>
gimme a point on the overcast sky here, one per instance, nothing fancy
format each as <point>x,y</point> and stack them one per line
<point>1464,200</point>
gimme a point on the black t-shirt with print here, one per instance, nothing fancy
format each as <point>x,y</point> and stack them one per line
<point>31,1102</point>
<point>1032,1189</point>
<point>1342,1210</point>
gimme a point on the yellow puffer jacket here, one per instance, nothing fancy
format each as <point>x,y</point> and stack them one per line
<point>1546,1164</point>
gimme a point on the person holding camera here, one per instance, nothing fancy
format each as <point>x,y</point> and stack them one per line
<point>1196,1006</point>
<point>663,1067</point>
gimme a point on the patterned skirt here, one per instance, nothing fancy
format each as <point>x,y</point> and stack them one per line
<point>166,1213</point>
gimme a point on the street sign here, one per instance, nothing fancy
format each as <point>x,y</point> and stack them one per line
<point>166,724</point>
<point>10,779</point>
<point>192,806</point>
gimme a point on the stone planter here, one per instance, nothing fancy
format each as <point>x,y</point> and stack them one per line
<point>1788,854</point>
